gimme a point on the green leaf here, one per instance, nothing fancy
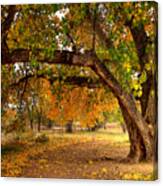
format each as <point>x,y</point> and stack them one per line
<point>49,71</point>
<point>55,7</point>
<point>65,43</point>
<point>143,77</point>
<point>34,63</point>
<point>21,29</point>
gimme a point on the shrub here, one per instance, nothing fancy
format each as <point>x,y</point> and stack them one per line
<point>42,138</point>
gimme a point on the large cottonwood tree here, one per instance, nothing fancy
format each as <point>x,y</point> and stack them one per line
<point>115,44</point>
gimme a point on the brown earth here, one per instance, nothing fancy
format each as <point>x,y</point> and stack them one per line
<point>97,155</point>
<point>89,160</point>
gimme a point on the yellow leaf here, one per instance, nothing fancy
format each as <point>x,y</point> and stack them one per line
<point>90,162</point>
<point>104,170</point>
<point>42,161</point>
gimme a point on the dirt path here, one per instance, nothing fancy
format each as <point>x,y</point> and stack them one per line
<point>86,160</point>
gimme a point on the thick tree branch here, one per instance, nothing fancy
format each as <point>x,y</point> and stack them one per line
<point>9,19</point>
<point>103,36</point>
<point>59,57</point>
<point>4,30</point>
<point>69,80</point>
<point>141,41</point>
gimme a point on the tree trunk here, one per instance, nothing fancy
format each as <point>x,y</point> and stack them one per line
<point>149,109</point>
<point>137,149</point>
<point>69,127</point>
<point>151,119</point>
<point>146,89</point>
<point>136,121</point>
<point>39,124</point>
<point>39,127</point>
<point>31,124</point>
<point>148,102</point>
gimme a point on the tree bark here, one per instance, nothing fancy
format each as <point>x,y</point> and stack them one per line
<point>128,106</point>
<point>39,125</point>
<point>31,124</point>
<point>146,89</point>
<point>148,102</point>
<point>39,116</point>
<point>69,127</point>
<point>137,149</point>
<point>141,42</point>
